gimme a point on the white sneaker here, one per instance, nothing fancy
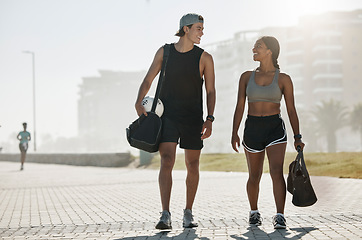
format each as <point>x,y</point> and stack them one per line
<point>165,221</point>
<point>188,219</point>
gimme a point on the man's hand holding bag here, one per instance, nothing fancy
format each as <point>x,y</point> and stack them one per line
<point>145,132</point>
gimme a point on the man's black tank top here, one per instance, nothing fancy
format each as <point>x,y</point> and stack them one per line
<point>181,92</point>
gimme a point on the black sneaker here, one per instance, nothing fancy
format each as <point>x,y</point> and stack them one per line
<point>279,222</point>
<point>255,219</point>
<point>165,221</point>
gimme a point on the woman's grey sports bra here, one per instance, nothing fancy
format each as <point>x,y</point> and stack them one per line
<point>269,93</point>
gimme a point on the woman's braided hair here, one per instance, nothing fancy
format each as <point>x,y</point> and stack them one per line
<point>272,44</point>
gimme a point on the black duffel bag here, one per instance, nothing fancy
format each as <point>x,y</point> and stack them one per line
<point>299,184</point>
<point>145,132</point>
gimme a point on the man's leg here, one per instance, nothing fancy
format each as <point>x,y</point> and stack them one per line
<point>192,158</point>
<point>168,153</point>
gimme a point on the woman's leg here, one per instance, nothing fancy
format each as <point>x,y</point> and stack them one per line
<point>255,165</point>
<point>276,154</point>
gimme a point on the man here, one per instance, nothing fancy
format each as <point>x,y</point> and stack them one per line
<point>182,119</point>
<point>24,138</point>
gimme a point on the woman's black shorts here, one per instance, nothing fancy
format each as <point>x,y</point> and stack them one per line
<point>263,132</point>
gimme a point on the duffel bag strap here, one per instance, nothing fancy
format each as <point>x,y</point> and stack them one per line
<point>166,53</point>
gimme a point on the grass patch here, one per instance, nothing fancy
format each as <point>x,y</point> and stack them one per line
<point>343,164</point>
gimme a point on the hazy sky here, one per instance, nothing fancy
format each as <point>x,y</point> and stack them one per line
<point>75,38</point>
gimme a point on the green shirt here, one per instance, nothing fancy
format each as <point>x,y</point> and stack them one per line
<point>24,136</point>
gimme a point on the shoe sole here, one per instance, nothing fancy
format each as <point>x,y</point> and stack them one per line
<point>255,224</point>
<point>191,225</point>
<point>280,227</point>
<point>162,226</point>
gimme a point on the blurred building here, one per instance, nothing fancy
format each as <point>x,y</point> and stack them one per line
<point>321,54</point>
<point>104,109</point>
<point>324,58</point>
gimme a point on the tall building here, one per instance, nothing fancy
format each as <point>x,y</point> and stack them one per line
<point>105,109</point>
<point>321,54</point>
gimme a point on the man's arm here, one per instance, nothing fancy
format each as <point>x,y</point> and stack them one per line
<point>209,76</point>
<point>154,69</point>
<point>239,110</point>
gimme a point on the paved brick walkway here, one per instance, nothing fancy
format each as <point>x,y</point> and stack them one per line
<point>48,201</point>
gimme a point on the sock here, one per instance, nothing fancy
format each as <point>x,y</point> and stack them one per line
<point>281,214</point>
<point>254,211</point>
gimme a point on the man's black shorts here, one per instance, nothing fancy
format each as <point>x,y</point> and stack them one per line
<point>188,135</point>
<point>262,132</point>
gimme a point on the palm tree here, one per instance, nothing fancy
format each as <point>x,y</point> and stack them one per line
<point>309,131</point>
<point>355,119</point>
<point>330,116</point>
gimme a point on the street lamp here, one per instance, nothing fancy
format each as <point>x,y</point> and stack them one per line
<point>34,135</point>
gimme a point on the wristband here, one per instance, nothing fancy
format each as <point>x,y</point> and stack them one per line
<point>210,118</point>
<point>298,136</point>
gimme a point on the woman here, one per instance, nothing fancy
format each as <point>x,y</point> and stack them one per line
<point>24,137</point>
<point>264,128</point>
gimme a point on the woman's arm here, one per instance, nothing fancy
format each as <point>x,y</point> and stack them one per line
<point>287,89</point>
